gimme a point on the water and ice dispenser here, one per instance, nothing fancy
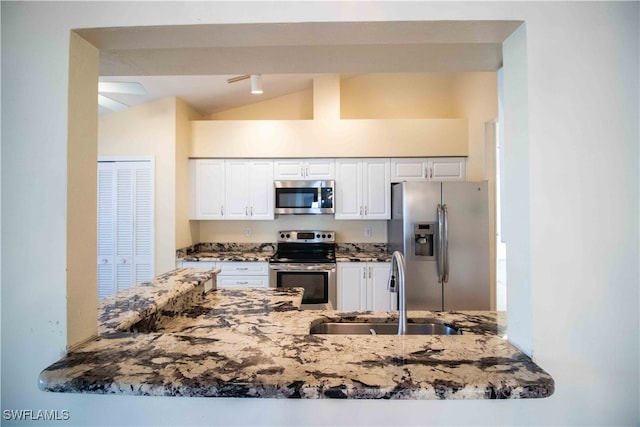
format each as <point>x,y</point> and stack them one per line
<point>424,237</point>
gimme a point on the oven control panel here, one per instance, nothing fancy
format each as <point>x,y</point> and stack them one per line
<point>307,236</point>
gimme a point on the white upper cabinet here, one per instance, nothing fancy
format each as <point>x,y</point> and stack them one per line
<point>249,189</point>
<point>304,169</point>
<point>207,189</point>
<point>428,169</point>
<point>363,189</point>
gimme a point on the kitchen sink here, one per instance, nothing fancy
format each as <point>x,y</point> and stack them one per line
<point>353,328</point>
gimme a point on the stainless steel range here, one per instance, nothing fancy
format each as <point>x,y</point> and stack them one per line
<point>307,259</point>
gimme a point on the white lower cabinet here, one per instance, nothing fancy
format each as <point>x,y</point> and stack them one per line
<point>363,286</point>
<point>235,274</point>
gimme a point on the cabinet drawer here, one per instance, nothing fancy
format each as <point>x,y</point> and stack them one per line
<point>242,282</point>
<point>231,268</point>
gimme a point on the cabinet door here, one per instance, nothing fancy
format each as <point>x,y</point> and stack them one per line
<point>378,296</point>
<point>207,189</point>
<point>143,222</point>
<point>447,169</point>
<point>348,189</point>
<point>288,169</point>
<point>410,169</point>
<point>320,169</point>
<point>237,189</point>
<point>304,169</point>
<point>351,286</point>
<point>106,229</point>
<point>377,189</point>
<point>261,191</point>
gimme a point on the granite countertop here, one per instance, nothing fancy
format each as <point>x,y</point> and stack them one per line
<point>212,252</point>
<point>341,256</point>
<point>228,256</point>
<point>256,343</point>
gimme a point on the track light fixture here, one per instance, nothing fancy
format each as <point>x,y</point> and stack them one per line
<point>256,83</point>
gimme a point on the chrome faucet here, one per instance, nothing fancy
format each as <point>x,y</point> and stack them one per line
<point>399,265</point>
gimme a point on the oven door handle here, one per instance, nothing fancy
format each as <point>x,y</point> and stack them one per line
<point>302,267</point>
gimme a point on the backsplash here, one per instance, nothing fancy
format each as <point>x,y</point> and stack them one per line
<point>361,247</point>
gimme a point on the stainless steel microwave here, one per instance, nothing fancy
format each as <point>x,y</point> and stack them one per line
<point>304,197</point>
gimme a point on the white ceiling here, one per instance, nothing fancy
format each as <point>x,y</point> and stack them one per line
<point>194,62</point>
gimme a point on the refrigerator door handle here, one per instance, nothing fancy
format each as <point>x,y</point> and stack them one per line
<point>445,246</point>
<point>439,245</point>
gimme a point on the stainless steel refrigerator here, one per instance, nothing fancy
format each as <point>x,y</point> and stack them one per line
<point>442,228</point>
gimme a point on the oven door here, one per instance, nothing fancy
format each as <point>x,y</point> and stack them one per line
<point>318,281</point>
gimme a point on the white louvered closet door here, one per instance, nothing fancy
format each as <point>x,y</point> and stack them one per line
<point>106,228</point>
<point>125,225</point>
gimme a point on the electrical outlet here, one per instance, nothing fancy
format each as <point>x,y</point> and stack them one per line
<point>247,232</point>
<point>367,231</point>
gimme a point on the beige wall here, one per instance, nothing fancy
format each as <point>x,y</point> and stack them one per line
<point>415,111</point>
<point>398,95</point>
<point>149,130</point>
<point>187,232</point>
<point>294,106</point>
<point>82,287</point>
<point>475,97</point>
<point>266,231</point>
<point>330,138</point>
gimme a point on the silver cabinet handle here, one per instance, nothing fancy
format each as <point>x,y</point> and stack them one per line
<point>366,210</point>
<point>221,210</point>
<point>364,272</point>
<point>370,268</point>
<point>246,211</point>
<point>360,210</point>
<point>242,283</point>
<point>242,268</point>
<point>251,210</point>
